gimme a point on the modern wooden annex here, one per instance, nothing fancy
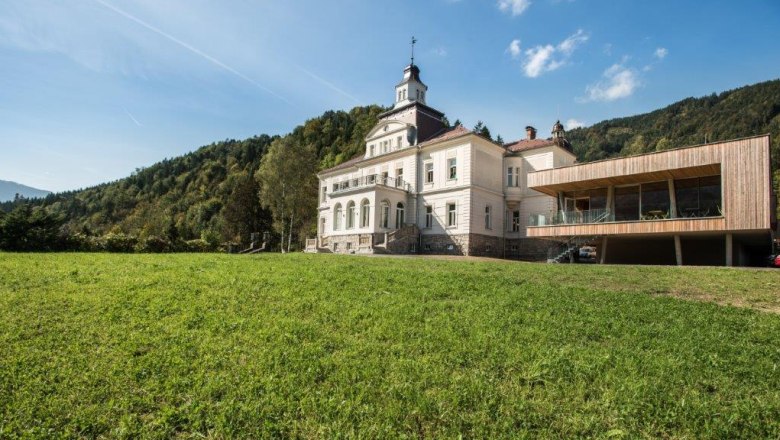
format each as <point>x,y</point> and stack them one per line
<point>709,204</point>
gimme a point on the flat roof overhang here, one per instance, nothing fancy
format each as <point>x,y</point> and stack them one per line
<point>590,176</point>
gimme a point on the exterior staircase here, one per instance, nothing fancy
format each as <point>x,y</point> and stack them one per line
<point>399,241</point>
<point>561,252</point>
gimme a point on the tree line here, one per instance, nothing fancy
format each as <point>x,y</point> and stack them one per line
<point>219,194</point>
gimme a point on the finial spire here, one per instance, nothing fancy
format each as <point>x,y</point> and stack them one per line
<point>413,42</point>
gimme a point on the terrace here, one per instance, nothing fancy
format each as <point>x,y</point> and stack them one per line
<point>369,181</point>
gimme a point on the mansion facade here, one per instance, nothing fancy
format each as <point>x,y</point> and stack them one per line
<point>424,187</point>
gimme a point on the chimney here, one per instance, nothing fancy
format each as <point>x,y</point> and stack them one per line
<point>530,133</point>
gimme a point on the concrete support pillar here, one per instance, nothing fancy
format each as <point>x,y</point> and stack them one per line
<point>729,250</point>
<point>678,250</point>
<point>603,250</point>
<point>672,200</point>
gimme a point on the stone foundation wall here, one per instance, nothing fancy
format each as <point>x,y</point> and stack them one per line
<point>528,249</point>
<point>442,244</point>
<point>486,246</point>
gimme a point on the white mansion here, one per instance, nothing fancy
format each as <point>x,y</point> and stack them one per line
<point>422,187</point>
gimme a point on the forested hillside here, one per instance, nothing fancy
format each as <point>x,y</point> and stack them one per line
<point>224,191</point>
<point>737,113</point>
<point>210,193</point>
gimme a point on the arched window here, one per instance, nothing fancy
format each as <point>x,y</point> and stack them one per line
<point>399,215</point>
<point>337,213</point>
<point>365,213</point>
<point>385,214</point>
<point>350,215</point>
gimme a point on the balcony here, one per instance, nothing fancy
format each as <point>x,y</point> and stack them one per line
<point>571,217</point>
<point>371,180</point>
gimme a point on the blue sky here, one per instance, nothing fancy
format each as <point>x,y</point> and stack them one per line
<point>92,89</point>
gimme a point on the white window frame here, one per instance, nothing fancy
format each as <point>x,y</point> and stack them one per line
<point>452,168</point>
<point>365,213</point>
<point>337,213</point>
<point>351,215</point>
<point>385,214</point>
<point>515,223</point>
<point>400,215</point>
<point>452,215</point>
<point>428,168</point>
<point>371,151</point>
<point>517,177</point>
<point>399,177</point>
<point>428,216</point>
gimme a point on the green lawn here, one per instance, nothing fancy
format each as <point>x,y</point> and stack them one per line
<point>218,346</point>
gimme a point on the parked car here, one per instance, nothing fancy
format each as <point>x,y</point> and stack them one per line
<point>587,252</point>
<point>773,261</point>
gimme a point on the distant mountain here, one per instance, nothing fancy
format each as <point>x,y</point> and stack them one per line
<point>9,190</point>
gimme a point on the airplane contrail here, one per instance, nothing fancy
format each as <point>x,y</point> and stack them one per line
<point>191,49</point>
<point>330,85</point>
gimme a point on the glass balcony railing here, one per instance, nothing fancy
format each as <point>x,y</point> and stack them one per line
<point>571,217</point>
<point>604,216</point>
<point>370,180</point>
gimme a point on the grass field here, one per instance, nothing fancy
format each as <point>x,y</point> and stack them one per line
<point>218,346</point>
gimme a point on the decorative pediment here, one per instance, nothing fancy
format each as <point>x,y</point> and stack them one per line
<point>387,127</point>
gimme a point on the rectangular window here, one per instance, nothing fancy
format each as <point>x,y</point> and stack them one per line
<point>399,141</point>
<point>517,176</point>
<point>698,197</point>
<point>323,194</point>
<point>655,200</point>
<point>627,203</point>
<point>385,215</point>
<point>452,165</point>
<point>429,217</point>
<point>452,215</point>
<point>399,177</point>
<point>429,172</point>
<point>371,150</point>
<point>510,176</point>
<point>488,217</point>
<point>516,221</point>
<point>384,178</point>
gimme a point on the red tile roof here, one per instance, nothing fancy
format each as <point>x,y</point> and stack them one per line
<point>528,144</point>
<point>446,134</point>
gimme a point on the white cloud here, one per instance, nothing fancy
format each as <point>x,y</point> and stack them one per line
<point>514,7</point>
<point>619,82</point>
<point>661,53</point>
<point>568,45</point>
<point>514,48</point>
<point>542,59</point>
<point>574,123</point>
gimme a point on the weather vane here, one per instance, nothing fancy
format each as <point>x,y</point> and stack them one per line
<point>413,41</point>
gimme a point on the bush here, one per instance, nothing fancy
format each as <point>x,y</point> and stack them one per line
<point>118,242</point>
<point>154,244</point>
<point>198,245</point>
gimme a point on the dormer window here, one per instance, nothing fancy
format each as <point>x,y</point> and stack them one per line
<point>418,94</point>
<point>371,150</point>
<point>399,95</point>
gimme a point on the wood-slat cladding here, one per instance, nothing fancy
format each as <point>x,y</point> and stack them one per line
<point>744,166</point>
